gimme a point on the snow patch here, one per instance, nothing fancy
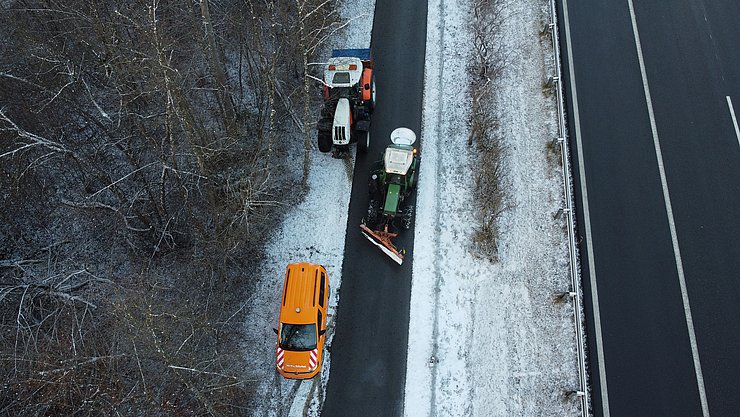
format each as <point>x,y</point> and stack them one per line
<point>487,339</point>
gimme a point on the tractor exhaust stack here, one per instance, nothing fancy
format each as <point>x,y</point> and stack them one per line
<point>382,240</point>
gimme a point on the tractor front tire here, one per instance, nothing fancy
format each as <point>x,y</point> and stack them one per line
<point>363,141</point>
<point>324,142</point>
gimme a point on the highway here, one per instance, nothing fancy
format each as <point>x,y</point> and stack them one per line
<point>368,356</point>
<point>653,94</point>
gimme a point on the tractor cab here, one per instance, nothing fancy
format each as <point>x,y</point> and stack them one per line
<point>399,158</point>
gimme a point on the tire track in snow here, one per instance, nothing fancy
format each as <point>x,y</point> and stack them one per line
<point>290,398</point>
<point>309,397</point>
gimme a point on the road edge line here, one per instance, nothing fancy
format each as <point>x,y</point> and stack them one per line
<point>425,277</point>
<point>587,221</point>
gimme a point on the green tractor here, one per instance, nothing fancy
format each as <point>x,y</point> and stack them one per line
<point>392,181</point>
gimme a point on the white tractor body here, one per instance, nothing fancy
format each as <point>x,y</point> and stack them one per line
<point>341,128</point>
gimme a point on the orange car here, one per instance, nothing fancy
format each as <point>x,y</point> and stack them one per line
<point>302,326</point>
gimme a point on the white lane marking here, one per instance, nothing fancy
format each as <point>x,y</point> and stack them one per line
<point>671,221</point>
<point>734,119</point>
<point>587,223</point>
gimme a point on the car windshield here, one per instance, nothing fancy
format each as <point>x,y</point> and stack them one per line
<point>297,336</point>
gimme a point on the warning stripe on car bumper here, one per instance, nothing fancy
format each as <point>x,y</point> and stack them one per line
<point>280,357</point>
<point>312,358</point>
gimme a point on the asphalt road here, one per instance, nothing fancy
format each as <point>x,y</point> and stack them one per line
<point>691,63</point>
<point>368,356</point>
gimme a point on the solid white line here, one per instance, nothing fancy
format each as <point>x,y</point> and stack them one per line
<point>734,119</point>
<point>671,222</point>
<point>587,223</point>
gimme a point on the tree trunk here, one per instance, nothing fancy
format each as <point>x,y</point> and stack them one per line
<point>217,70</point>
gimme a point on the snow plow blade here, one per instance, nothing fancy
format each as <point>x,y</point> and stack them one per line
<point>383,241</point>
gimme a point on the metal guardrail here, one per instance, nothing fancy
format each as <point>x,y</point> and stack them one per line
<point>575,293</point>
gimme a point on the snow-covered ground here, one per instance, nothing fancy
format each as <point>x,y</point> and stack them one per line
<point>487,339</point>
<point>312,231</point>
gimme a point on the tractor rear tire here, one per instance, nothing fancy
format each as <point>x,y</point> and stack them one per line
<point>373,213</point>
<point>324,142</point>
<point>363,141</point>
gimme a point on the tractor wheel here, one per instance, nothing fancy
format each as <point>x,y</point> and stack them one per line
<point>408,216</point>
<point>324,142</point>
<point>372,93</point>
<point>373,185</point>
<point>373,212</point>
<point>363,141</point>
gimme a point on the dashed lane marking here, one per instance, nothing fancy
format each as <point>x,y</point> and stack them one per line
<point>671,221</point>
<point>734,118</point>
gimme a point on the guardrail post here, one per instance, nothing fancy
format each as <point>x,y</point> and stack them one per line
<point>561,298</point>
<point>560,212</point>
<point>574,394</point>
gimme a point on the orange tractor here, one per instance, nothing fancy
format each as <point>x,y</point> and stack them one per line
<point>349,100</point>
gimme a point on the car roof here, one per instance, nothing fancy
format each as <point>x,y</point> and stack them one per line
<point>298,305</point>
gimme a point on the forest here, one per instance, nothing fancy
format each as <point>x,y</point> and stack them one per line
<point>147,150</point>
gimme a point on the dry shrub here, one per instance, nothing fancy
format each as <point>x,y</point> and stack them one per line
<point>487,64</point>
<point>552,153</point>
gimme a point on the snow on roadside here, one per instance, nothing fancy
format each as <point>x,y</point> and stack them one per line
<point>312,231</point>
<point>486,339</point>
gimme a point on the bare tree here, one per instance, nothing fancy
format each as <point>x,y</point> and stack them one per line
<point>142,148</point>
